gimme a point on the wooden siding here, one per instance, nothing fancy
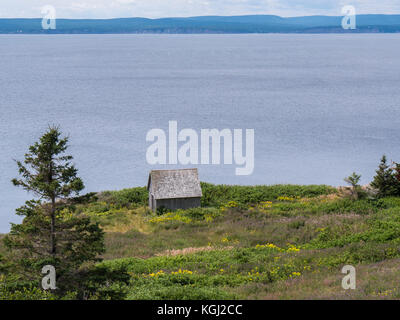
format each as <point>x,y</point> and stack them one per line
<point>177,203</point>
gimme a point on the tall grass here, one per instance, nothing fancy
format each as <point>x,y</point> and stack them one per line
<point>217,195</point>
<point>281,241</point>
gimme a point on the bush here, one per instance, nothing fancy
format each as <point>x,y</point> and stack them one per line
<point>151,291</point>
<point>26,294</point>
<point>125,197</point>
<point>217,195</point>
<point>162,210</point>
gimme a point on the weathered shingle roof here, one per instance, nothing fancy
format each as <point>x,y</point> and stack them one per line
<point>169,184</point>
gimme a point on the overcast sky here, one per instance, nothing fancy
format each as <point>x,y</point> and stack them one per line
<point>185,8</point>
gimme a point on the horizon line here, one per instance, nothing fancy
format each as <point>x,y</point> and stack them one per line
<point>203,16</point>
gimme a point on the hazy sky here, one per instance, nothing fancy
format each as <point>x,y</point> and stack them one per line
<point>183,8</point>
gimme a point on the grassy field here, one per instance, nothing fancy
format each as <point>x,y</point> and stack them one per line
<point>262,242</point>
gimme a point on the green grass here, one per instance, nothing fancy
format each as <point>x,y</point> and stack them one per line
<point>217,195</point>
<point>222,252</point>
<point>262,242</point>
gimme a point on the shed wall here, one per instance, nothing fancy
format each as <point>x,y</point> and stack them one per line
<point>178,203</point>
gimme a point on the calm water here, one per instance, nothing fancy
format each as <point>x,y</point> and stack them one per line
<point>321,105</point>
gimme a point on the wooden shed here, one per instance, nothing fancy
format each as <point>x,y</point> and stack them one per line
<point>174,189</point>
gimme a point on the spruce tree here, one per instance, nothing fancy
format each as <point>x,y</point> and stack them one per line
<point>50,233</point>
<point>396,171</point>
<point>354,180</point>
<point>384,180</point>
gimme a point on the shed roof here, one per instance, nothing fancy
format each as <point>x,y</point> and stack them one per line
<point>170,184</point>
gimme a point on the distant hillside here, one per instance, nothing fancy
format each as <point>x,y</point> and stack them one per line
<point>208,24</point>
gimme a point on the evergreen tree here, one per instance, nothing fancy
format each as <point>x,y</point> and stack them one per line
<point>396,171</point>
<point>50,233</point>
<point>385,181</point>
<point>354,180</point>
